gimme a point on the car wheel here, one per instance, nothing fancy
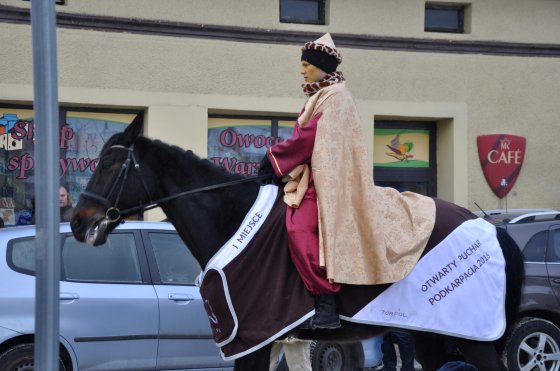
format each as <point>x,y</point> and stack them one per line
<point>534,344</point>
<point>327,356</point>
<point>21,358</point>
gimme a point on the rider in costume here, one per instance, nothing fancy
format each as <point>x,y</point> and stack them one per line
<point>341,229</point>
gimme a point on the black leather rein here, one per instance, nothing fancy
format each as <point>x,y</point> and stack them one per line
<point>113,213</point>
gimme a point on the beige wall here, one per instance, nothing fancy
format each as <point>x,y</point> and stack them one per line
<point>181,80</point>
<point>503,20</point>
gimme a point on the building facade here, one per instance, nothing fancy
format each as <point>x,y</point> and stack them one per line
<point>222,78</point>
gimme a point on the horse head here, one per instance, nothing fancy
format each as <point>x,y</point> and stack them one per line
<point>116,186</point>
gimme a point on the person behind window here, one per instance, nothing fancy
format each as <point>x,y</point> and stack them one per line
<point>330,191</point>
<point>65,203</point>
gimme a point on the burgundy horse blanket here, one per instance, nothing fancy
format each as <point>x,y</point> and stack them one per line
<point>253,294</point>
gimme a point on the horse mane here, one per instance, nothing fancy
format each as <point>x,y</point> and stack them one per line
<point>158,147</point>
<point>211,171</point>
<point>207,220</point>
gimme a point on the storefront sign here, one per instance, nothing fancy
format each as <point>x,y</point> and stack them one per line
<point>501,157</point>
<point>81,137</point>
<point>401,148</point>
<point>238,144</point>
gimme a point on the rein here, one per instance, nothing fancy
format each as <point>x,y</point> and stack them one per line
<point>113,213</point>
<point>154,204</point>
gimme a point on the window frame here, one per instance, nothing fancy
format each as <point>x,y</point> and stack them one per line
<point>56,2</point>
<point>532,246</point>
<point>274,126</point>
<point>10,256</point>
<point>428,175</point>
<point>319,21</point>
<point>27,184</point>
<point>460,8</point>
<point>153,261</point>
<point>139,249</point>
<point>137,255</point>
<point>551,253</point>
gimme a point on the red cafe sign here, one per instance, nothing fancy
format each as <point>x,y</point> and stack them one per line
<point>501,157</point>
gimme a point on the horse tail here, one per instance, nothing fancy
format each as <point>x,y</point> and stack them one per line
<point>515,273</point>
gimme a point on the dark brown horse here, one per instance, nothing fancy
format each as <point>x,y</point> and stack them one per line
<point>206,205</point>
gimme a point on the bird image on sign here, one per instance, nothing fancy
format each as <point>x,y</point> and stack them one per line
<point>400,151</point>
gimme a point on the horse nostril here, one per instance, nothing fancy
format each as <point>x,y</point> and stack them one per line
<point>75,223</point>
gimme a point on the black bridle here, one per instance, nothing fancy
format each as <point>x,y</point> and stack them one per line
<point>113,214</point>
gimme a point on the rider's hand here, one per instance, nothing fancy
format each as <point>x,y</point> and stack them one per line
<point>266,171</point>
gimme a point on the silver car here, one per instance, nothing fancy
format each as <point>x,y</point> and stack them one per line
<point>130,304</point>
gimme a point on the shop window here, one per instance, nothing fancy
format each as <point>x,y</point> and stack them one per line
<point>404,156</point>
<point>444,18</point>
<point>238,143</point>
<point>302,11</point>
<point>82,135</point>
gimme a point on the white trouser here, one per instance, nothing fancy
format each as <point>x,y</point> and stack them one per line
<point>296,352</point>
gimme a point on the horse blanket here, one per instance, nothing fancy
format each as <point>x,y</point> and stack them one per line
<point>253,293</point>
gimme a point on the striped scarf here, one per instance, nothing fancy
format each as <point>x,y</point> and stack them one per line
<point>332,78</point>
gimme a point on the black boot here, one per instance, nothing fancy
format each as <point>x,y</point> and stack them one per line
<point>326,317</point>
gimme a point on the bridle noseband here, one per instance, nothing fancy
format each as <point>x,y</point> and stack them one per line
<point>113,214</point>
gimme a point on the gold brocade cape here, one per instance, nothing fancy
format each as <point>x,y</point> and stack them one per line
<point>367,234</point>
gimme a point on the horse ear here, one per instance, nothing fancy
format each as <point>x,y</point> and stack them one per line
<point>132,131</point>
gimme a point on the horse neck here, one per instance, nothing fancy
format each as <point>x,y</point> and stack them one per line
<point>206,220</point>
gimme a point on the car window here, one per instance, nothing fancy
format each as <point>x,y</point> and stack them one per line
<point>535,249</point>
<point>174,260</point>
<point>21,255</point>
<point>553,253</point>
<point>114,261</point>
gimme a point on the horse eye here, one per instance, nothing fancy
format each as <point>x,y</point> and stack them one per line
<point>106,164</point>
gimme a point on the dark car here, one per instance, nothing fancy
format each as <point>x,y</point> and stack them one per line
<point>533,343</point>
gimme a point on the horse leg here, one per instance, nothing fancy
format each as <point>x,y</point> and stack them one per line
<point>481,354</point>
<point>259,360</point>
<point>429,350</point>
